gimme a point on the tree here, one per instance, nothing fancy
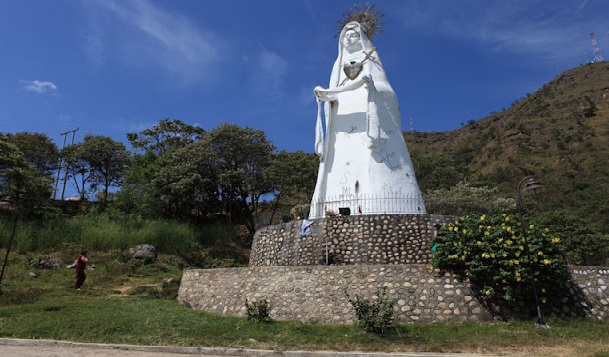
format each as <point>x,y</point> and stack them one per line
<point>186,182</point>
<point>99,160</point>
<point>165,136</point>
<point>37,149</point>
<point>77,168</point>
<point>584,244</point>
<point>465,199</point>
<point>436,171</point>
<point>293,176</point>
<point>137,194</point>
<point>239,157</point>
<point>28,189</point>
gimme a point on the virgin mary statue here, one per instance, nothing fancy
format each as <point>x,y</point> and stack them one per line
<point>364,166</point>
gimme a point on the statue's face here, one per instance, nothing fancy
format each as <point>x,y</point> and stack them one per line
<point>351,39</point>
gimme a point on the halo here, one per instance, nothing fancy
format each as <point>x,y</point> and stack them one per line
<point>367,15</point>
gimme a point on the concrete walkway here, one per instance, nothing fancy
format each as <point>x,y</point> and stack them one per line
<point>52,348</point>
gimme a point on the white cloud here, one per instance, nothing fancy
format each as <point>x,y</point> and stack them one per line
<point>139,33</point>
<point>38,86</point>
<point>550,30</point>
<point>269,75</point>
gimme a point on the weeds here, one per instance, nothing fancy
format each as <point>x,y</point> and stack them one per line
<point>374,316</point>
<point>258,311</point>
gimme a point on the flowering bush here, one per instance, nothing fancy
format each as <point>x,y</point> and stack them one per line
<point>492,252</point>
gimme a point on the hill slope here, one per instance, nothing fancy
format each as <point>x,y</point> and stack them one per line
<point>560,134</point>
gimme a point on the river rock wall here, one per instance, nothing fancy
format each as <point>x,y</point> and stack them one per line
<point>421,294</point>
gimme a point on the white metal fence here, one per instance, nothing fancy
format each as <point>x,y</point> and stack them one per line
<point>382,203</point>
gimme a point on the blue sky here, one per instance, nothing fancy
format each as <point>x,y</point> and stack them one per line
<point>110,67</point>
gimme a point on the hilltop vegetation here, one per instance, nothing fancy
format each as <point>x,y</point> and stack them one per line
<point>560,134</point>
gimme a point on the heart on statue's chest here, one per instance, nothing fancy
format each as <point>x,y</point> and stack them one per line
<point>353,69</point>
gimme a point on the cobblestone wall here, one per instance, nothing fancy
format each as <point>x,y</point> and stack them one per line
<point>347,240</point>
<point>317,293</point>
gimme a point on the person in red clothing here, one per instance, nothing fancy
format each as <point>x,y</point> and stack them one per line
<point>81,265</point>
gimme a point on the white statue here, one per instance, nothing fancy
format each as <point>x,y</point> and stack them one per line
<point>364,162</point>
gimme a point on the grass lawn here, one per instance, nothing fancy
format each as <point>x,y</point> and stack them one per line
<point>135,304</point>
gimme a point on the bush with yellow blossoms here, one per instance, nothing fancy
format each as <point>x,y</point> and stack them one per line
<point>491,251</point>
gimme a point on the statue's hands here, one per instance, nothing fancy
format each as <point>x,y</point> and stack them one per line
<point>322,94</point>
<point>367,79</point>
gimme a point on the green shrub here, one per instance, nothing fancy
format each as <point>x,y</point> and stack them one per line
<point>258,311</point>
<point>492,252</point>
<point>373,315</point>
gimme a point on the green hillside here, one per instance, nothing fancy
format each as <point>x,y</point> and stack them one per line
<point>560,134</point>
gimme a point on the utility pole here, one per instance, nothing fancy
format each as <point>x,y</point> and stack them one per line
<point>597,52</point>
<point>65,177</point>
<point>60,167</point>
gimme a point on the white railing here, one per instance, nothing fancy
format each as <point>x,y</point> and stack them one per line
<point>382,203</point>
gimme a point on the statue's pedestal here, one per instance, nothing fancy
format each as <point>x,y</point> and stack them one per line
<point>348,240</point>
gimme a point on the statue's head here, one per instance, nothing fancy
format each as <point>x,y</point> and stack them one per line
<point>351,38</point>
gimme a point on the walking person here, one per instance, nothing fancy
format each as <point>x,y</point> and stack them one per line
<point>81,265</point>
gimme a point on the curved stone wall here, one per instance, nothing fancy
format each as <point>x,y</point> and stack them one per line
<point>317,293</point>
<point>348,240</point>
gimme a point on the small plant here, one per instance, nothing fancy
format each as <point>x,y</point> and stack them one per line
<point>258,311</point>
<point>373,316</point>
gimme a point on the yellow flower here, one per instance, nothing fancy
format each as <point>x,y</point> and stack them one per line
<point>487,233</point>
<point>488,293</point>
<point>465,231</point>
<point>531,226</point>
<point>543,301</point>
<point>508,242</point>
<point>500,240</point>
<point>492,255</point>
<point>483,217</point>
<point>456,229</point>
<point>543,290</point>
<point>555,240</point>
<point>450,228</point>
<point>521,247</point>
<point>540,253</point>
<point>517,274</point>
<point>518,279</point>
<point>509,229</point>
<point>479,243</point>
<point>507,218</point>
<point>547,261</point>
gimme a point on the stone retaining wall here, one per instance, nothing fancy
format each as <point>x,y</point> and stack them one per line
<point>348,240</point>
<point>317,293</point>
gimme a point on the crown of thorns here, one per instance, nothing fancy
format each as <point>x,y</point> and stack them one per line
<point>367,15</point>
